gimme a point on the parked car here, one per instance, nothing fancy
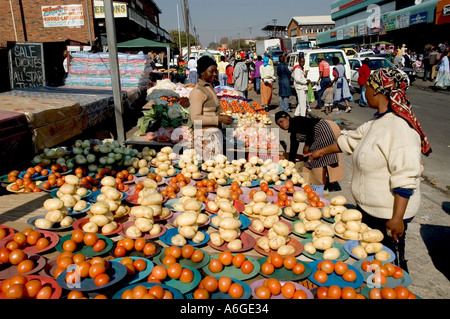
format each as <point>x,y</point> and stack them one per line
<point>364,54</point>
<point>312,63</point>
<point>374,64</point>
<point>275,55</point>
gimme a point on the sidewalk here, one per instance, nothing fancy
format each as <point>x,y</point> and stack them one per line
<point>428,233</point>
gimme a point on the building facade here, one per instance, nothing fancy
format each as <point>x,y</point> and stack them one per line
<point>309,26</point>
<point>414,22</point>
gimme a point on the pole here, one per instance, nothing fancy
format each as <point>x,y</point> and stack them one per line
<point>186,22</point>
<point>89,23</point>
<point>114,65</point>
<point>179,34</point>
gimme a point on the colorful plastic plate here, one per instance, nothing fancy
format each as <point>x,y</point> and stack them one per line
<point>9,270</point>
<point>248,242</point>
<point>232,271</point>
<point>285,274</point>
<point>167,238</point>
<point>145,235</point>
<point>53,194</point>
<point>392,282</point>
<point>79,223</point>
<point>256,284</point>
<point>52,238</point>
<point>88,251</point>
<point>93,196</point>
<point>47,190</point>
<point>35,176</point>
<point>4,179</point>
<point>139,275</point>
<point>55,226</point>
<point>184,261</point>
<point>79,212</point>
<point>220,295</point>
<point>116,272</point>
<point>343,256</point>
<point>334,279</point>
<point>298,246</point>
<point>56,289</point>
<point>366,292</point>
<point>308,234</point>
<point>349,245</point>
<point>139,254</point>
<point>8,230</point>
<point>341,236</point>
<point>245,222</point>
<point>176,294</point>
<point>293,219</point>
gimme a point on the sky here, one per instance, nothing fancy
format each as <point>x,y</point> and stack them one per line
<point>214,19</point>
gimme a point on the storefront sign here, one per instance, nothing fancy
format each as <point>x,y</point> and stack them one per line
<point>421,17</point>
<point>26,64</point>
<point>332,34</point>
<point>443,12</point>
<point>390,23</point>
<point>362,29</point>
<point>62,15</point>
<point>120,10</point>
<point>340,35</point>
<point>402,21</point>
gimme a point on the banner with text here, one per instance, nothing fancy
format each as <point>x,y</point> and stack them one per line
<point>62,16</point>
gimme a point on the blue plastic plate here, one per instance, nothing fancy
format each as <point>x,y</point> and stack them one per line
<point>245,222</point>
<point>392,282</point>
<point>148,285</point>
<point>139,275</point>
<point>334,279</point>
<point>349,245</point>
<point>220,295</point>
<point>171,202</point>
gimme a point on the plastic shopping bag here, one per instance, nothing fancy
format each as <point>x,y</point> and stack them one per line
<point>311,97</point>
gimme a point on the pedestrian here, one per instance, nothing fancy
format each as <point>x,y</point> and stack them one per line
<point>229,71</point>
<point>300,85</point>
<point>257,75</point>
<point>315,134</point>
<point>434,59</point>
<point>284,84</point>
<point>363,76</point>
<point>192,67</point>
<point>240,76</point>
<point>443,75</point>
<point>65,66</point>
<point>324,78</point>
<point>398,59</point>
<point>205,111</point>
<point>328,98</point>
<point>267,77</point>
<point>386,160</point>
<point>222,69</point>
<point>341,87</point>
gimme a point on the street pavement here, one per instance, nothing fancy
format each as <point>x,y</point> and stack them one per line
<point>428,234</point>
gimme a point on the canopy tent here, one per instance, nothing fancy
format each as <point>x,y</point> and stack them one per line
<point>142,43</point>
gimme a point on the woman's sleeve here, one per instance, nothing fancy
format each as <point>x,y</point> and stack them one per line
<point>196,100</point>
<point>299,77</point>
<point>348,142</point>
<point>293,148</point>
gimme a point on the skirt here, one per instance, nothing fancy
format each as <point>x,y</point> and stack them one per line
<point>266,93</point>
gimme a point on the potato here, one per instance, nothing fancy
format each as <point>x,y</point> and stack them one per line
<point>382,255</point>
<point>258,207</point>
<point>300,197</point>
<point>276,242</point>
<point>351,234</point>
<point>156,230</point>
<point>311,225</point>
<point>186,219</point>
<point>335,210</point>
<point>223,192</point>
<point>340,228</point>
<point>43,223</point>
<point>228,234</point>
<point>53,204</point>
<point>258,225</point>
<point>353,225</point>
<point>363,228</point>
<point>121,211</point>
<point>313,213</point>
<point>226,206</point>
<point>141,211</point>
<point>270,210</point>
<point>269,220</point>
<point>108,181</point>
<point>212,206</point>
<point>72,179</point>
<point>99,220</point>
<point>189,191</point>
<point>286,250</point>
<point>216,240</point>
<point>260,197</point>
<point>281,228</point>
<point>309,248</point>
<point>81,192</point>
<point>149,183</point>
<point>152,199</point>
<point>68,189</point>
<point>69,200</point>
<point>263,243</point>
<point>113,205</point>
<point>326,212</point>
<point>187,231</point>
<point>351,215</point>
<point>338,200</point>
<point>90,227</point>
<point>66,221</point>
<point>80,205</point>
<point>144,224</point>
<point>323,230</point>
<point>298,207</point>
<point>199,237</point>
<point>55,216</point>
<point>99,208</point>
<point>202,219</point>
<point>235,244</point>
<point>359,252</point>
<point>323,243</point>
<point>289,212</point>
<point>178,240</point>
<point>109,228</point>
<point>373,248</point>
<point>299,228</point>
<point>331,253</point>
<point>373,236</point>
<point>229,223</point>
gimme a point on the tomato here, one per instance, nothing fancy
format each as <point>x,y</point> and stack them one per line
<point>69,245</point>
<point>120,251</point>
<point>197,256</point>
<point>300,294</point>
<point>100,245</point>
<point>140,264</point>
<point>210,283</point>
<point>320,276</point>
<point>388,293</point>
<point>16,256</point>
<point>174,270</point>
<point>322,293</point>
<point>187,251</point>
<point>288,290</point>
<point>366,266</point>
<point>238,259</point>
<point>334,292</point>
<point>96,269</point>
<point>226,258</point>
<point>267,268</point>
<point>215,266</point>
<point>201,293</point>
<point>224,284</point>
<point>247,267</point>
<point>327,266</point>
<point>401,292</point>
<point>348,293</point>
<point>25,266</point>
<point>102,279</point>
<point>90,239</point>
<point>349,275</point>
<point>32,287</point>
<point>274,286</point>
<point>398,272</point>
<point>236,290</point>
<point>375,293</point>
<point>340,268</point>
<point>263,292</point>
<point>149,249</point>
<point>299,268</point>
<point>159,272</point>
<point>4,255</point>
<point>276,260</point>
<point>289,262</point>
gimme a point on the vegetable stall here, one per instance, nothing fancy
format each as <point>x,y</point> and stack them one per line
<point>103,221</point>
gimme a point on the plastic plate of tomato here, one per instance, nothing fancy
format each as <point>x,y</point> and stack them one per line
<point>232,271</point>
<point>392,282</point>
<point>220,295</point>
<point>335,279</point>
<point>185,262</point>
<point>258,283</point>
<point>86,250</point>
<point>139,275</point>
<point>176,293</point>
<point>283,273</point>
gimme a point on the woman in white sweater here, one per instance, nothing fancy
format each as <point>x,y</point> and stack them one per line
<point>386,160</point>
<point>301,85</point>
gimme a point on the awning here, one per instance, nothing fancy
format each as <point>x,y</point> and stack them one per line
<point>142,43</point>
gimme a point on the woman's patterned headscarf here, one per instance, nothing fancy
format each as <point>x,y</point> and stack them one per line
<point>391,82</point>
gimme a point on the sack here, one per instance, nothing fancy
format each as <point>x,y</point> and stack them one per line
<point>311,97</point>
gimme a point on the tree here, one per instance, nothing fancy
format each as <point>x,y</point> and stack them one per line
<point>176,38</point>
<point>213,46</point>
<point>225,40</point>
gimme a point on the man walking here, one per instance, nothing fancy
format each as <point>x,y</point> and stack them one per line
<point>324,78</point>
<point>364,73</point>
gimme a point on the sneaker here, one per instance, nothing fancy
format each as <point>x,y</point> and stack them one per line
<point>336,110</point>
<point>348,110</point>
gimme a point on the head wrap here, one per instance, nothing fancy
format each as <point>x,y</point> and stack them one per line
<point>266,61</point>
<point>238,57</point>
<point>204,62</point>
<point>391,83</point>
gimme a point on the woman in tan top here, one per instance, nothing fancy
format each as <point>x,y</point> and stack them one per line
<point>205,111</point>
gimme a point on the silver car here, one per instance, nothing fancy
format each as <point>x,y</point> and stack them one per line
<point>374,64</point>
